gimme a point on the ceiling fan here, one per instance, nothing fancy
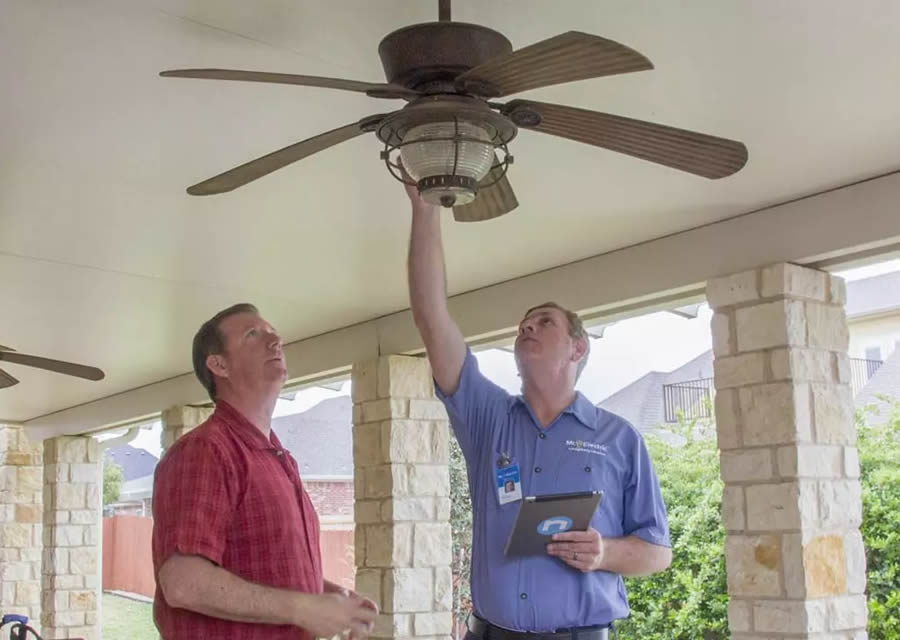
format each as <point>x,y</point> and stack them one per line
<point>66,368</point>
<point>451,140</point>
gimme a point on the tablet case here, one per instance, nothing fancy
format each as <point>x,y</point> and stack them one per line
<point>541,516</point>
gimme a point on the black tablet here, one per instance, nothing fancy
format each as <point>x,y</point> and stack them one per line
<point>542,516</point>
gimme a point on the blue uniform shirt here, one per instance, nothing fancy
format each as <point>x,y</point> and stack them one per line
<point>585,448</point>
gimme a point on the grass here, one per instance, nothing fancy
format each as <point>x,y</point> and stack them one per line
<point>125,619</point>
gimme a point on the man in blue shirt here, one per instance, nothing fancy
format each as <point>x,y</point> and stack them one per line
<point>560,442</point>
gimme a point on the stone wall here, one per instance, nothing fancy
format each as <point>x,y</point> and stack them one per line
<point>402,506</point>
<point>179,420</point>
<point>21,496</point>
<point>71,537</point>
<point>784,413</point>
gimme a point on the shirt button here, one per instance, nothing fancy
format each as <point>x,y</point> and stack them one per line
<point>524,596</point>
<point>542,436</point>
<point>588,469</point>
<point>537,469</point>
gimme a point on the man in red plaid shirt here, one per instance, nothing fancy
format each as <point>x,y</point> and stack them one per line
<point>235,536</point>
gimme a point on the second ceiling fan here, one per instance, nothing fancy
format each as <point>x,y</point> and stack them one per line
<point>10,355</point>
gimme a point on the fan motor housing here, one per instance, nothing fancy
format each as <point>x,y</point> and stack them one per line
<point>437,52</point>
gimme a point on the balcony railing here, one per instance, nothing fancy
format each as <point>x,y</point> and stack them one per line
<point>691,398</point>
<point>861,370</point>
<point>694,398</point>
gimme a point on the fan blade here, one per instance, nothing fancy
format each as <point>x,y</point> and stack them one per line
<point>7,380</point>
<point>696,153</point>
<point>492,201</point>
<point>67,368</point>
<point>250,171</point>
<point>567,57</point>
<point>374,89</point>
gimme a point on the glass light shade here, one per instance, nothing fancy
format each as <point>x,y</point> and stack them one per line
<point>425,157</point>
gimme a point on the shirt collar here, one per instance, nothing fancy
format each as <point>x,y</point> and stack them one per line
<point>244,429</point>
<point>581,408</point>
<point>584,410</point>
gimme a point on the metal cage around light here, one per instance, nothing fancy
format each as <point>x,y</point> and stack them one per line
<point>462,150</point>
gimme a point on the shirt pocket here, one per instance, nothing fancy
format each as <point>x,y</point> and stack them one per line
<point>586,471</point>
<point>578,472</point>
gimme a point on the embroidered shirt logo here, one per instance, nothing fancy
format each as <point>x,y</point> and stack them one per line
<point>581,446</point>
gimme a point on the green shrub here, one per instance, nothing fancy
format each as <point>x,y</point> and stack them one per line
<point>879,458</point>
<point>461,530</point>
<point>688,601</point>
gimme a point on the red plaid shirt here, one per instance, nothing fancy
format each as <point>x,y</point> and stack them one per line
<point>226,493</point>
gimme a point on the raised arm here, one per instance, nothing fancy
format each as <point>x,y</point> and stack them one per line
<point>428,295</point>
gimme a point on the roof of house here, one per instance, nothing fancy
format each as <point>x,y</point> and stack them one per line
<point>878,294</point>
<point>321,438</point>
<point>884,383</point>
<point>135,463</point>
<point>641,402</point>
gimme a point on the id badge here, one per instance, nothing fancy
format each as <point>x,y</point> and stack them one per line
<point>509,484</point>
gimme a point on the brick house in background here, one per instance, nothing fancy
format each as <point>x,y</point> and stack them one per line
<point>321,440</point>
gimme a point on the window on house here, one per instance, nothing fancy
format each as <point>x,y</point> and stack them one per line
<point>873,353</point>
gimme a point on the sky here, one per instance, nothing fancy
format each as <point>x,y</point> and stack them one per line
<point>629,349</point>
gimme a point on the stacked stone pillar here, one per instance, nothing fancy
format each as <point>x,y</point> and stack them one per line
<point>21,495</point>
<point>179,420</point>
<point>71,536</point>
<point>784,414</point>
<point>402,506</point>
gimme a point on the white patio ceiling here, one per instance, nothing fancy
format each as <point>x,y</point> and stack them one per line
<point>105,260</point>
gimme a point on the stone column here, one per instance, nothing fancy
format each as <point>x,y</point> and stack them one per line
<point>178,420</point>
<point>792,502</point>
<point>21,494</point>
<point>71,581</point>
<point>402,506</point>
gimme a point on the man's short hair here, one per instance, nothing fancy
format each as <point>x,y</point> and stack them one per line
<point>210,341</point>
<point>576,330</point>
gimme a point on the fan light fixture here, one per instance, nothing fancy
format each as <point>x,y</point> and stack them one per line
<point>447,160</point>
<point>449,148</point>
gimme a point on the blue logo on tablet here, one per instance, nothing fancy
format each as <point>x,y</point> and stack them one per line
<point>556,524</point>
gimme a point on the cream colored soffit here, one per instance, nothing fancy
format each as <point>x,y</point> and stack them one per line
<point>835,226</point>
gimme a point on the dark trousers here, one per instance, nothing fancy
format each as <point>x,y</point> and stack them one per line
<point>471,636</point>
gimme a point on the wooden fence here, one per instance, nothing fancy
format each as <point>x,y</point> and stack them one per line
<point>128,562</point>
